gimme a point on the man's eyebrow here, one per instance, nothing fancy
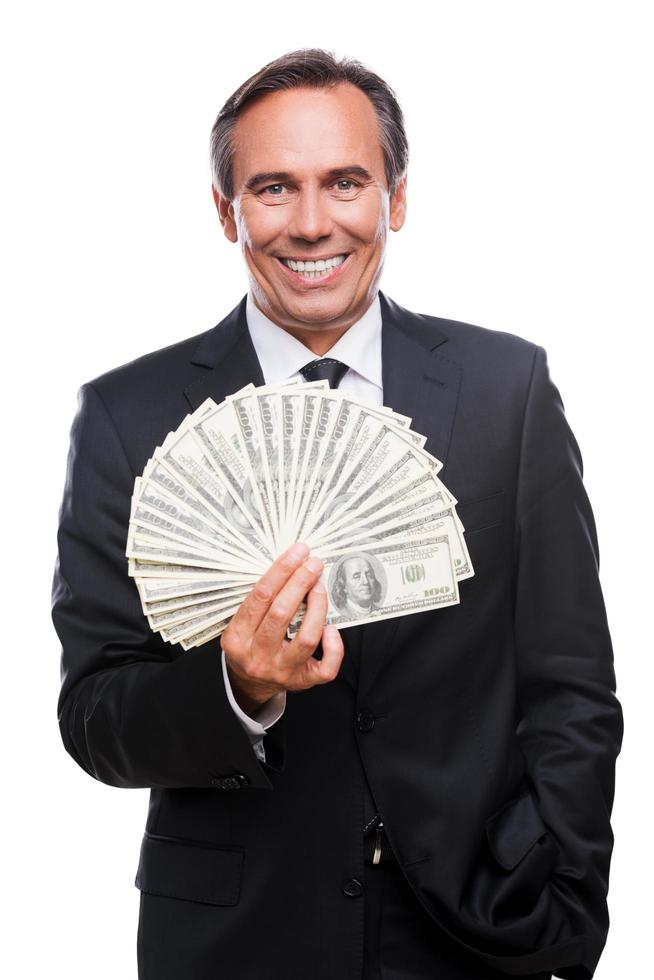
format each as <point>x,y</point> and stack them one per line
<point>282,176</point>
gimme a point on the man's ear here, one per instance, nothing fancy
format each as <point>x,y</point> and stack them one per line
<point>225,210</point>
<point>398,205</point>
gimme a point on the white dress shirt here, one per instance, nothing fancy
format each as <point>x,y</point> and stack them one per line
<point>281,356</point>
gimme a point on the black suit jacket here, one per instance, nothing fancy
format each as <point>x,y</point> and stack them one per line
<point>496,725</point>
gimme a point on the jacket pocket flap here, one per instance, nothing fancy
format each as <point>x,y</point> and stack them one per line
<point>195,871</point>
<point>514,829</point>
<point>482,512</point>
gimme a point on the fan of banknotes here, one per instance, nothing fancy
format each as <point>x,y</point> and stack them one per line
<point>239,482</point>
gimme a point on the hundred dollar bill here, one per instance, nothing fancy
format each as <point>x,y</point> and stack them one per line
<point>177,504</point>
<point>341,421</point>
<point>244,413</point>
<point>153,524</point>
<point>338,437</point>
<point>219,461</point>
<point>146,535</point>
<point>215,487</point>
<point>147,568</point>
<point>181,631</point>
<point>408,524</point>
<point>335,421</point>
<point>148,548</point>
<point>388,580</point>
<point>160,621</point>
<point>161,478</point>
<point>153,591</point>
<point>204,635</point>
<point>268,419</point>
<point>405,484</point>
<point>347,437</point>
<point>275,418</point>
<point>338,490</point>
<point>306,427</point>
<point>191,599</point>
<point>402,463</point>
<point>386,446</point>
<point>149,532</point>
<point>325,417</point>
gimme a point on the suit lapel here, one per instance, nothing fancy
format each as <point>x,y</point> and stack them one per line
<point>419,382</point>
<point>228,355</point>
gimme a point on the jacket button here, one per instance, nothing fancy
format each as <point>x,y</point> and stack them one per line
<point>365,721</point>
<point>230,782</point>
<point>353,888</point>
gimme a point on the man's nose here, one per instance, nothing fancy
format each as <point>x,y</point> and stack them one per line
<point>311,218</point>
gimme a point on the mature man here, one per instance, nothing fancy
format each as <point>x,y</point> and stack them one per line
<point>434,800</point>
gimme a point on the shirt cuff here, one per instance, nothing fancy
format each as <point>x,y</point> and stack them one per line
<point>264,717</point>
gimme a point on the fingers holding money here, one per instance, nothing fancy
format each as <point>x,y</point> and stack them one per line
<point>260,659</point>
<point>322,671</point>
<point>309,671</point>
<point>284,606</point>
<point>256,606</point>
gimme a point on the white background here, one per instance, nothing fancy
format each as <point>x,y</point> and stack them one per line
<point>530,210</point>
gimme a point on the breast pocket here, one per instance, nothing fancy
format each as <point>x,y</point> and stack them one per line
<point>172,867</point>
<point>486,529</point>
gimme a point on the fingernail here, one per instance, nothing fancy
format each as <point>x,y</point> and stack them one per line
<point>298,551</point>
<point>314,564</point>
<point>319,588</point>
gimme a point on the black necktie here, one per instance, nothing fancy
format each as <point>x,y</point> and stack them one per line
<point>326,369</point>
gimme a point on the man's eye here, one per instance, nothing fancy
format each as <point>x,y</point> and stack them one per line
<point>346,181</point>
<point>272,187</point>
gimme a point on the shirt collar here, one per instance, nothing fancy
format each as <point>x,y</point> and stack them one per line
<point>281,355</point>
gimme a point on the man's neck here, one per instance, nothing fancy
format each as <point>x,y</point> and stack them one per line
<point>319,341</point>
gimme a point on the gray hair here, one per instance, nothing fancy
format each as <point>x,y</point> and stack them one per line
<point>311,68</point>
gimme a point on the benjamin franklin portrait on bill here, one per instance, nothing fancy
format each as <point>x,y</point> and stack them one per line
<point>356,590</point>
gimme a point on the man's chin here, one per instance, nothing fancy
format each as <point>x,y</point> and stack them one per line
<point>315,315</point>
<point>315,305</point>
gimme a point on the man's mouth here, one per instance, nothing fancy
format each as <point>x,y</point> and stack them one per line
<point>313,268</point>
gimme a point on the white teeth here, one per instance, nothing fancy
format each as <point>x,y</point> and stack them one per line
<point>314,270</point>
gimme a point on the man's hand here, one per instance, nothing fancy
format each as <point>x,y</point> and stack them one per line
<point>260,660</point>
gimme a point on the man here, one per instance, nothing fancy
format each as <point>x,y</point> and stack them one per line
<point>434,799</point>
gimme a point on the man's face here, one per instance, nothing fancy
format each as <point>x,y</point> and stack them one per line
<point>359,580</point>
<point>312,205</point>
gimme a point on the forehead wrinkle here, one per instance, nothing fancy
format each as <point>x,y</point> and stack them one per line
<point>341,136</point>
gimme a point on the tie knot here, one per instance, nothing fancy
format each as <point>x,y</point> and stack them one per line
<point>325,369</point>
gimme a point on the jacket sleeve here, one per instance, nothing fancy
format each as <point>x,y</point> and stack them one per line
<point>571,722</point>
<point>133,710</point>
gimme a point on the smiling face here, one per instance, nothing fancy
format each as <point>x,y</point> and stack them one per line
<point>311,208</point>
